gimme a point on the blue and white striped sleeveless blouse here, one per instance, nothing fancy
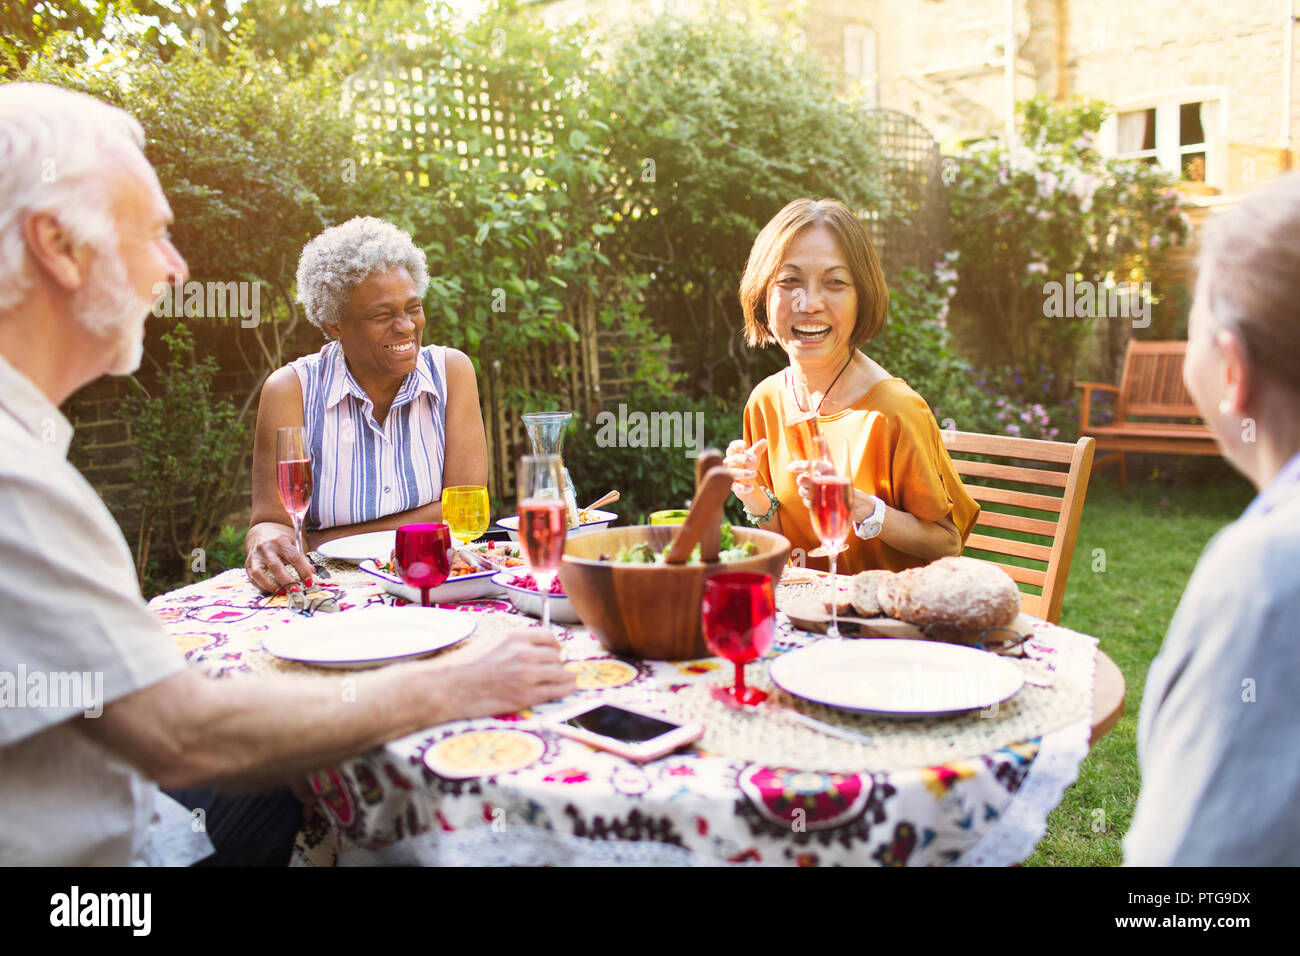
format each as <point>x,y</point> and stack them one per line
<point>360,470</point>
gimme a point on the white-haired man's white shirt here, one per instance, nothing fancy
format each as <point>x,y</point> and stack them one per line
<point>76,631</point>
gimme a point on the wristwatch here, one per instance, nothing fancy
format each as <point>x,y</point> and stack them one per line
<point>871,526</point>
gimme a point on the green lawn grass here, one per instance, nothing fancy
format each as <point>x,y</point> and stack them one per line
<point>1148,538</point>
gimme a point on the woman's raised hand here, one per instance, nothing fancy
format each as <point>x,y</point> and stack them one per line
<point>804,470</point>
<point>274,561</point>
<point>742,460</point>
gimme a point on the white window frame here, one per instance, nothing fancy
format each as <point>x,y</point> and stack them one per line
<point>1168,153</point>
<point>863,39</point>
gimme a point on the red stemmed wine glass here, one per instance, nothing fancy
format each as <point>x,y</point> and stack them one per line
<point>739,624</point>
<point>423,556</point>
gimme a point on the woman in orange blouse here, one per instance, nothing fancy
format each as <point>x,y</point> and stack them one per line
<point>814,286</point>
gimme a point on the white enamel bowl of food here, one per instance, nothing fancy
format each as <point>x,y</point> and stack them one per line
<point>528,601</point>
<point>460,586</point>
<point>597,521</point>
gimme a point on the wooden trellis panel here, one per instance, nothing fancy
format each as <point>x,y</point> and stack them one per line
<point>576,388</point>
<point>430,109</point>
<point>915,232</point>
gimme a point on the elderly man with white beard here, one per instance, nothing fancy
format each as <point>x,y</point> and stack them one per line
<point>84,244</point>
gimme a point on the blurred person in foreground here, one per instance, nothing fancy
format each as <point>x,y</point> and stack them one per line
<point>814,287</point>
<point>389,423</point>
<point>84,244</point>
<point>1219,728</point>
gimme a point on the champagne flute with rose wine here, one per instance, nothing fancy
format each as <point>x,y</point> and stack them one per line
<point>543,521</point>
<point>832,515</point>
<point>293,476</point>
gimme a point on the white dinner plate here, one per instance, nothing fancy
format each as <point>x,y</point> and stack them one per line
<point>377,545</point>
<point>897,678</point>
<point>368,636</point>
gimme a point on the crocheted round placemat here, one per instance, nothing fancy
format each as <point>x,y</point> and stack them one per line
<point>220,623</point>
<point>773,734</point>
<point>225,618</point>
<point>487,624</point>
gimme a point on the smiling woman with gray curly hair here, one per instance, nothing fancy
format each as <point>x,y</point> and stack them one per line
<point>339,259</point>
<point>389,423</point>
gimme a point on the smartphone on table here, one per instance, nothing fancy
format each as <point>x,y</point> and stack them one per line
<point>630,733</point>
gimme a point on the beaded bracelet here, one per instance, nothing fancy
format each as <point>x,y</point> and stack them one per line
<point>757,520</point>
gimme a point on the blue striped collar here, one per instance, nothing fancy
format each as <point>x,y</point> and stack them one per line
<point>422,380</point>
<point>340,383</point>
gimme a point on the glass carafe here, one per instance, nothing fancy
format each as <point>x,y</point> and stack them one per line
<point>546,431</point>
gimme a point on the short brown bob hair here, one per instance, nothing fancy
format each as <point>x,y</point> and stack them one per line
<point>768,255</point>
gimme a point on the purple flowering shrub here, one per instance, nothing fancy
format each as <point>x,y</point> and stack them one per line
<point>1049,211</point>
<point>916,346</point>
<point>1024,404</point>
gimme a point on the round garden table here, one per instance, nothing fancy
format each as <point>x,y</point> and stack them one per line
<point>973,789</point>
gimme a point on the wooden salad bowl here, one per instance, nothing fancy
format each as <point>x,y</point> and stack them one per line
<point>652,610</point>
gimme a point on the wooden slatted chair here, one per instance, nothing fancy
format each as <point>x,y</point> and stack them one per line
<point>1045,466</point>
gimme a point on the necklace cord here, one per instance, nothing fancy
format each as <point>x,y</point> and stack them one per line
<point>826,394</point>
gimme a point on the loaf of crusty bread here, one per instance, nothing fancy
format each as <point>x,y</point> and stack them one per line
<point>865,587</point>
<point>966,592</point>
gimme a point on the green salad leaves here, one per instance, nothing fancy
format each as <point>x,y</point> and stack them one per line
<point>642,553</point>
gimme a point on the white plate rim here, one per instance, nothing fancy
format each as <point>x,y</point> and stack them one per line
<point>992,662</point>
<point>331,549</point>
<point>462,621</point>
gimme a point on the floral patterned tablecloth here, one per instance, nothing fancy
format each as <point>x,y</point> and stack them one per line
<point>508,791</point>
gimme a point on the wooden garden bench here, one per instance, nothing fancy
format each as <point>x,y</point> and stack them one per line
<point>1150,393</point>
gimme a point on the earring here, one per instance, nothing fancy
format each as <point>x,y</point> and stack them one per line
<point>1225,407</point>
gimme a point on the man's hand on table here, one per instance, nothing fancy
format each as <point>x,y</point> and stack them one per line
<point>274,561</point>
<point>189,730</point>
<point>518,670</point>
